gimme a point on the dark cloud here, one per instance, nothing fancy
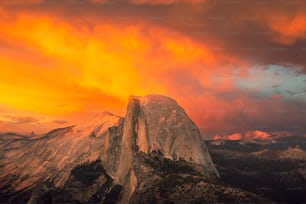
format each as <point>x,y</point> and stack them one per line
<point>22,119</point>
<point>275,86</point>
<point>61,105</point>
<point>261,114</point>
<point>242,28</point>
<point>60,122</point>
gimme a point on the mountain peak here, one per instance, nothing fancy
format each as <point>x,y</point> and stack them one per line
<point>156,122</point>
<point>154,101</point>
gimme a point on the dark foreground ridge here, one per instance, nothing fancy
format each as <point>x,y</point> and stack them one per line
<point>153,155</point>
<point>275,169</point>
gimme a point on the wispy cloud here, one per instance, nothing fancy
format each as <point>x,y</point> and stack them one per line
<point>22,119</point>
<point>61,122</point>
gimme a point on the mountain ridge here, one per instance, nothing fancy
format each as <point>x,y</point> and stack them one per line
<point>156,139</point>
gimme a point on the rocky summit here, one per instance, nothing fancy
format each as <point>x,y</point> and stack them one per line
<point>153,155</point>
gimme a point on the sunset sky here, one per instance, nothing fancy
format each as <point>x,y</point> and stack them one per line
<point>235,66</point>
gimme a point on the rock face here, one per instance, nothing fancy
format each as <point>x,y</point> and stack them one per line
<point>26,161</point>
<point>158,123</point>
<point>110,159</point>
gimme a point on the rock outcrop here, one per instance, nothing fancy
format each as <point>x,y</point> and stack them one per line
<point>162,124</point>
<point>158,123</point>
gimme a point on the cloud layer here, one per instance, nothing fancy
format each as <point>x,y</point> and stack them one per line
<point>234,66</point>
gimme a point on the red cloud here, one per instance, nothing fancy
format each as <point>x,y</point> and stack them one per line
<point>94,60</point>
<point>289,30</point>
<point>251,135</point>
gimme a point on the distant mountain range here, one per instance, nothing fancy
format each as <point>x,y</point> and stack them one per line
<point>252,145</point>
<point>254,135</point>
<point>275,169</point>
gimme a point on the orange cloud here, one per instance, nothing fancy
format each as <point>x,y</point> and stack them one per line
<point>288,30</point>
<point>20,2</point>
<point>257,134</point>
<point>254,134</point>
<point>65,66</point>
<point>166,1</point>
<point>89,67</point>
<point>235,136</point>
<point>277,96</point>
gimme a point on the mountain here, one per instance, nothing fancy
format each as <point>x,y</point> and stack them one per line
<point>153,155</point>
<point>275,168</point>
<point>158,123</point>
<point>253,135</point>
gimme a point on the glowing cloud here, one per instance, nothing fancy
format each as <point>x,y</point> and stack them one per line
<point>63,64</point>
<point>289,31</point>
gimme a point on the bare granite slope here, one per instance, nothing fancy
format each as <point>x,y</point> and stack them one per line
<point>158,123</point>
